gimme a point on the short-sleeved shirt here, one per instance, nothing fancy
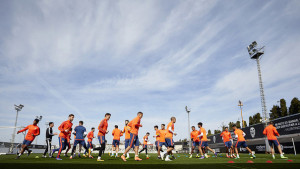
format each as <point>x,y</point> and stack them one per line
<point>194,136</point>
<point>117,134</point>
<point>226,136</point>
<point>169,134</point>
<point>126,130</point>
<point>240,135</point>
<point>203,132</point>
<point>271,132</point>
<point>162,135</point>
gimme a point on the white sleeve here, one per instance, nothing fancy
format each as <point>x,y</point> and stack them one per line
<point>201,135</point>
<point>236,136</point>
<point>244,134</point>
<point>84,134</point>
<point>170,129</point>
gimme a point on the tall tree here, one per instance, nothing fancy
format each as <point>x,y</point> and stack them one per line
<point>275,112</point>
<point>283,108</point>
<point>238,124</point>
<point>230,125</point>
<point>257,118</point>
<point>245,123</point>
<point>217,131</point>
<point>209,132</point>
<point>295,106</point>
<point>251,121</point>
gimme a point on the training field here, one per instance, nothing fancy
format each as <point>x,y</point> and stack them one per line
<point>182,161</point>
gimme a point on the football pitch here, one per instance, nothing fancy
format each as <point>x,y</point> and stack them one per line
<point>181,161</point>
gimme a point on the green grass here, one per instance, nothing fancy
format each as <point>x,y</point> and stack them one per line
<point>182,161</point>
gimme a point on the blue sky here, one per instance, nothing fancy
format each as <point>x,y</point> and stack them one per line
<point>93,57</point>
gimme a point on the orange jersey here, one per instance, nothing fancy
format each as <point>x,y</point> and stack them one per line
<point>240,134</point>
<point>145,138</point>
<point>271,132</point>
<point>226,136</point>
<point>170,126</point>
<point>102,127</point>
<point>194,136</point>
<point>90,136</point>
<point>66,125</point>
<point>162,135</point>
<point>117,134</point>
<point>157,135</point>
<point>69,136</point>
<point>203,133</point>
<point>126,130</point>
<point>135,125</point>
<point>33,131</point>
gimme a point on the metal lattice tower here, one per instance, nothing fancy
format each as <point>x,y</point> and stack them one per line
<point>256,53</point>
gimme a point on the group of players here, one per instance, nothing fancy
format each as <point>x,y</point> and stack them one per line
<point>164,137</point>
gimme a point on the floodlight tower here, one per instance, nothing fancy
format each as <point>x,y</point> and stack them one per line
<point>256,53</point>
<point>241,105</point>
<point>18,108</point>
<point>189,128</point>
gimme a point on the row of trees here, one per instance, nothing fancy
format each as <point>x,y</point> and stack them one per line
<point>277,111</point>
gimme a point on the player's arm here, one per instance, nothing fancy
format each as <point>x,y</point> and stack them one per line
<point>101,127</point>
<point>24,129</point>
<point>61,128</point>
<point>244,134</point>
<point>265,132</point>
<point>37,133</point>
<point>276,132</point>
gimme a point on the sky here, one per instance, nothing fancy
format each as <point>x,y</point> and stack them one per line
<point>92,57</point>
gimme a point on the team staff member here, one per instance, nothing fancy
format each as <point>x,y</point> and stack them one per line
<point>271,133</point>
<point>49,135</point>
<point>33,131</point>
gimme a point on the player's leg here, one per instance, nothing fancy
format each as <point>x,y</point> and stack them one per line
<point>192,151</point>
<point>117,150</point>
<point>207,147</point>
<point>73,153</point>
<point>249,150</point>
<point>46,149</point>
<point>69,147</point>
<point>277,144</point>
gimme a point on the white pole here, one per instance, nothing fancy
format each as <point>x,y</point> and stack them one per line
<point>189,131</point>
<point>14,134</point>
<point>294,146</point>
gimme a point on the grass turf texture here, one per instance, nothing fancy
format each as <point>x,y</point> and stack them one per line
<point>182,161</point>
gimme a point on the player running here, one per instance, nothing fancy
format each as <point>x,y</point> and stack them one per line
<point>64,129</point>
<point>196,141</point>
<point>241,142</point>
<point>169,138</point>
<point>33,131</point>
<point>157,138</point>
<point>271,133</point>
<point>80,133</point>
<point>134,124</point>
<point>203,142</point>
<point>117,133</point>
<point>126,130</point>
<point>101,135</point>
<point>227,139</point>
<point>90,137</point>
<point>145,138</point>
<point>162,140</point>
<point>49,135</point>
<point>68,143</point>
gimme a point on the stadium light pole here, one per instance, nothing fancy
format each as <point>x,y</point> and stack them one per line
<point>241,105</point>
<point>256,53</point>
<point>189,128</point>
<point>17,108</point>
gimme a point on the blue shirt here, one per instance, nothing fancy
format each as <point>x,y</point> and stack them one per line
<point>79,132</point>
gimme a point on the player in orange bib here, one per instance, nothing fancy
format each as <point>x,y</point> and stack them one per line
<point>117,133</point>
<point>33,131</point>
<point>157,141</point>
<point>241,142</point>
<point>227,139</point>
<point>204,142</point>
<point>271,133</point>
<point>145,138</point>
<point>169,138</point>
<point>90,147</point>
<point>162,140</point>
<point>196,141</point>
<point>126,130</point>
<point>134,125</point>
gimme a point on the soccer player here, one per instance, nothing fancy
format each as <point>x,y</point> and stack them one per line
<point>90,137</point>
<point>145,138</point>
<point>271,133</point>
<point>117,133</point>
<point>33,131</point>
<point>101,135</point>
<point>203,142</point>
<point>241,142</point>
<point>126,130</point>
<point>49,135</point>
<point>169,138</point>
<point>227,139</point>
<point>134,125</point>
<point>80,133</point>
<point>64,129</point>
<point>162,140</point>
<point>157,137</point>
<point>196,141</point>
